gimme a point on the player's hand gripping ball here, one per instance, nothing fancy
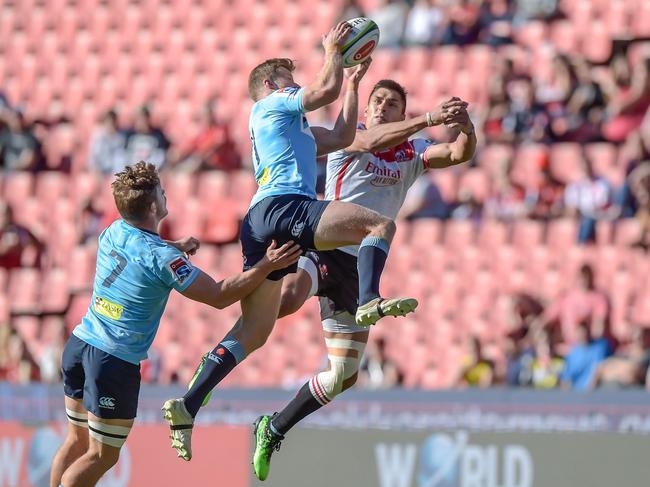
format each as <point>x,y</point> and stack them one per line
<point>360,41</point>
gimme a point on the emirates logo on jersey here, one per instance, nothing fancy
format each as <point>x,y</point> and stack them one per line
<point>383,175</point>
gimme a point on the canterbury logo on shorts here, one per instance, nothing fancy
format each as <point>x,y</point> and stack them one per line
<point>107,402</point>
<point>297,229</point>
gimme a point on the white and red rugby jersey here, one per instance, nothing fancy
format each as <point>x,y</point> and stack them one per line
<point>376,180</point>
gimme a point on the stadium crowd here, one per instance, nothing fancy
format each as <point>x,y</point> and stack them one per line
<point>567,140</point>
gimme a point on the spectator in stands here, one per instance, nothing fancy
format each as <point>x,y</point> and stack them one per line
<point>583,359</point>
<point>545,201</point>
<point>463,24</point>
<point>629,100</point>
<point>19,148</point>
<point>546,366</point>
<point>525,120</point>
<point>468,207</point>
<point>506,202</point>
<point>586,105</point>
<point>350,10</point>
<point>629,366</point>
<point>560,86</point>
<point>6,331</point>
<point>211,148</point>
<point>107,155</point>
<point>496,23</point>
<point>390,17</point>
<point>424,24</point>
<point>635,151</point>
<point>588,199</point>
<point>523,323</point>
<point>424,200</point>
<point>20,366</point>
<point>4,103</point>
<point>554,94</point>
<point>477,370</point>
<point>639,182</point>
<point>146,142</point>
<point>91,222</point>
<point>376,371</point>
<point>15,240</point>
<point>491,116</point>
<point>50,359</point>
<point>583,304</point>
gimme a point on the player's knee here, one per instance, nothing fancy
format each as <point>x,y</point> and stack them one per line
<point>77,443</point>
<point>382,227</point>
<point>350,381</point>
<point>105,458</point>
<point>341,376</point>
<point>387,229</point>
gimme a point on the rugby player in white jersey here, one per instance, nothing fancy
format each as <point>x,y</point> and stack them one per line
<point>376,172</point>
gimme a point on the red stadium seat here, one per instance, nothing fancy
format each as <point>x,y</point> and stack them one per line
<point>459,234</point>
<point>527,234</point>
<point>532,34</point>
<point>597,44</point>
<point>28,327</point>
<point>566,161</point>
<point>447,183</point>
<point>477,182</point>
<point>641,19</point>
<point>51,186</point>
<point>562,234</point>
<point>23,288</point>
<point>627,232</point>
<point>222,222</point>
<point>17,188</point>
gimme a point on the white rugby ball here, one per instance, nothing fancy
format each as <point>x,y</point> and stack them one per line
<point>360,41</point>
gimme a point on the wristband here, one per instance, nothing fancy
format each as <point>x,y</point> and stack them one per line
<point>429,120</point>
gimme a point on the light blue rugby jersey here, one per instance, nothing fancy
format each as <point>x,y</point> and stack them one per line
<point>136,271</point>
<point>284,149</point>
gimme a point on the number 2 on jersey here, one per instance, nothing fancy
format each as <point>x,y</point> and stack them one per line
<point>121,265</point>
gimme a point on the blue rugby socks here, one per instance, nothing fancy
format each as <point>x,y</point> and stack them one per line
<point>373,252</point>
<point>220,361</point>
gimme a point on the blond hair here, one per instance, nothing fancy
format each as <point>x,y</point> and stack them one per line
<point>266,70</point>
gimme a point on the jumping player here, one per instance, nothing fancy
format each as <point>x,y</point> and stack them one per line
<point>375,171</point>
<point>285,208</point>
<point>136,271</point>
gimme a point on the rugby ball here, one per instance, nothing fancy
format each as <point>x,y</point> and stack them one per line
<point>360,41</point>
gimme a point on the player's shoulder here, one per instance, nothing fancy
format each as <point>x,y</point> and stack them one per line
<point>279,96</point>
<point>286,91</point>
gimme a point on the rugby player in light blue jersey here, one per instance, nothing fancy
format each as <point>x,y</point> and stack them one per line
<point>136,271</point>
<point>285,208</point>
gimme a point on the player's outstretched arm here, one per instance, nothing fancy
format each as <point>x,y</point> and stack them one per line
<point>345,128</point>
<point>326,88</point>
<point>386,135</point>
<point>224,293</point>
<point>458,151</point>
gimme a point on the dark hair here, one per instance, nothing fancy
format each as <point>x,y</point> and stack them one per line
<point>389,84</point>
<point>110,115</point>
<point>134,189</point>
<point>266,70</point>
